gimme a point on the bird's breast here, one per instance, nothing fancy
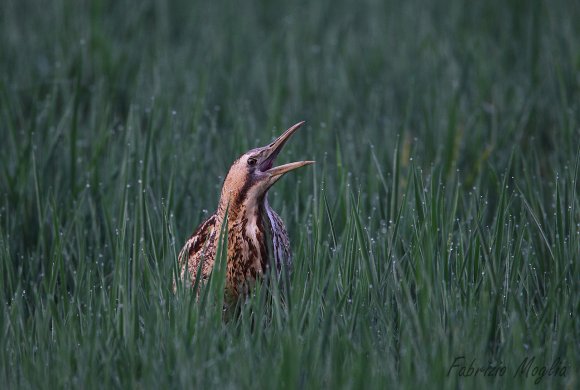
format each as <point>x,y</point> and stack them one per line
<point>247,247</point>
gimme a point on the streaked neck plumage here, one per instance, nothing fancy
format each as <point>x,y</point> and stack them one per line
<point>249,234</point>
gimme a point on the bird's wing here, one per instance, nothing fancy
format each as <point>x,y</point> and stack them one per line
<point>198,244</point>
<point>280,241</point>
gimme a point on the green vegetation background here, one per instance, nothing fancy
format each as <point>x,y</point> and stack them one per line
<point>442,218</point>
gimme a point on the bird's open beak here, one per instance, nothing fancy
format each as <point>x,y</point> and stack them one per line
<point>274,148</point>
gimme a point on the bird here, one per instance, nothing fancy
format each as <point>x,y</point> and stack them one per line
<point>257,238</point>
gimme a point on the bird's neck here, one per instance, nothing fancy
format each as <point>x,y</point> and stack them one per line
<point>247,239</point>
<point>243,204</point>
<point>246,211</point>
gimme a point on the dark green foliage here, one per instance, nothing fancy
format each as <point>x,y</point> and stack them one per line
<point>442,218</point>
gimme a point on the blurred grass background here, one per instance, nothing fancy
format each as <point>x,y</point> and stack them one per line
<point>441,220</point>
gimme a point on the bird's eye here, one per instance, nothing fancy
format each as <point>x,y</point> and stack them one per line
<point>252,161</point>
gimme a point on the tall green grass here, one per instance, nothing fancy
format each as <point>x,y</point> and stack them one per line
<point>442,218</point>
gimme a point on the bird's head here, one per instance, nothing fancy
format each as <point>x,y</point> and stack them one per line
<point>254,172</point>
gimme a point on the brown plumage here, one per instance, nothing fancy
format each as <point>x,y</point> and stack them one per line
<point>256,234</point>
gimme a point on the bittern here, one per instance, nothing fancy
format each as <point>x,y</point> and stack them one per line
<point>257,237</point>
